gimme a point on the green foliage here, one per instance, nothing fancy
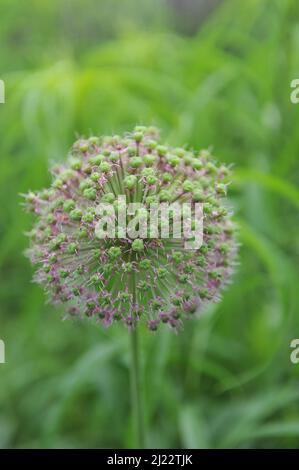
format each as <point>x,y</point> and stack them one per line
<point>227,380</point>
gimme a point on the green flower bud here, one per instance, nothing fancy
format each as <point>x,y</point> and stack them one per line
<point>97,159</point>
<point>138,245</point>
<point>140,129</point>
<point>132,151</point>
<point>177,257</point>
<point>71,248</point>
<point>130,181</point>
<point>79,270</point>
<point>114,252</point>
<point>203,293</point>
<point>174,161</point>
<point>224,248</point>
<point>167,177</point>
<point>148,172</point>
<point>204,249</point>
<point>69,205</point>
<point>188,159</point>
<point>50,219</point>
<point>76,164</point>
<point>105,167</point>
<point>82,233</point>
<point>63,273</point>
<point>162,150</point>
<point>95,176</point>
<point>138,136</point>
<point>180,152</point>
<point>76,214</point>
<point>196,164</point>
<point>88,217</point>
<point>124,296</point>
<point>183,278</point>
<point>200,261</point>
<point>114,157</point>
<point>161,273</point>
<point>94,140</point>
<point>58,183</point>
<point>127,267</point>
<point>211,167</point>
<point>188,186</point>
<point>57,241</point>
<point>207,209</point>
<point>149,159</point>
<point>151,180</point>
<point>151,144</point>
<point>221,189</point>
<point>165,195</point>
<point>135,162</point>
<point>153,199</point>
<point>145,264</point>
<point>108,197</point>
<point>142,285</point>
<point>87,183</point>
<point>90,193</point>
<point>198,195</point>
<point>83,146</point>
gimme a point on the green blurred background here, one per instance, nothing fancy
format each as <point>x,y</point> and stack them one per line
<point>210,73</point>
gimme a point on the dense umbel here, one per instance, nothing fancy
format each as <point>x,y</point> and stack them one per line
<point>154,280</point>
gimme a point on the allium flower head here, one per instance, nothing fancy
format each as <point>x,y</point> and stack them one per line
<point>121,278</point>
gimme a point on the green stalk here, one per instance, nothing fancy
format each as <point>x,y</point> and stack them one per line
<point>137,404</point>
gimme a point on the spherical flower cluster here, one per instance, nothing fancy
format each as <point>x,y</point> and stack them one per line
<point>150,279</point>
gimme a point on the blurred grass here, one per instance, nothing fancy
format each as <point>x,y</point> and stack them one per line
<point>101,67</point>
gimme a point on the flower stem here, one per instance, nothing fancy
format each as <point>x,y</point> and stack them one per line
<point>137,389</point>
